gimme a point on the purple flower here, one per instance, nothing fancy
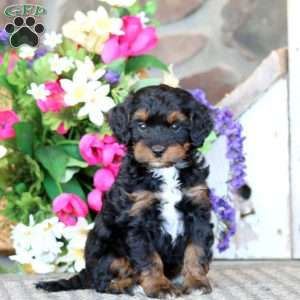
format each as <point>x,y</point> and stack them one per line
<point>112,77</point>
<point>226,125</point>
<point>200,96</point>
<point>40,52</point>
<point>4,36</point>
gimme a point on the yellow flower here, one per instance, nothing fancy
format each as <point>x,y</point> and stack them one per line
<point>93,29</point>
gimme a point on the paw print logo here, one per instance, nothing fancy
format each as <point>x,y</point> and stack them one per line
<point>24,32</point>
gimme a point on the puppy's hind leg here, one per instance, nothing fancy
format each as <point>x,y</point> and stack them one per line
<point>113,275</point>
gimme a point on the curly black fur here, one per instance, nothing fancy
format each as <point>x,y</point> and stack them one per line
<point>139,238</point>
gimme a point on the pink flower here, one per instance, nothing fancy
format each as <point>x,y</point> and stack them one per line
<point>7,120</point>
<point>114,168</point>
<point>61,129</point>
<point>68,207</point>
<point>105,151</point>
<point>137,40</point>
<point>104,179</point>
<point>90,147</point>
<point>55,101</point>
<point>112,151</point>
<point>95,200</point>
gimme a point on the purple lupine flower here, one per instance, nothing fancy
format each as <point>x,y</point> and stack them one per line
<point>4,36</point>
<point>111,77</point>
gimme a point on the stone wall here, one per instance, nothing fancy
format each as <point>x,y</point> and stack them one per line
<point>214,44</point>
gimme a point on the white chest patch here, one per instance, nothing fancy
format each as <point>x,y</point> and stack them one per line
<point>170,195</point>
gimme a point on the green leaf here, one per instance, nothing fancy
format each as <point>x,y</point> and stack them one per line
<point>73,186</point>
<point>105,129</point>
<point>4,65</point>
<point>71,149</point>
<point>51,120</point>
<point>20,77</point>
<point>70,172</point>
<point>212,137</point>
<point>146,82</point>
<point>24,137</point>
<point>53,159</point>
<point>77,163</point>
<point>70,49</point>
<point>53,189</point>
<point>41,70</point>
<point>117,66</point>
<point>150,8</point>
<point>138,63</point>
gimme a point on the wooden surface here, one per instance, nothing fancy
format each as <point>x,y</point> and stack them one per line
<point>267,233</point>
<point>294,113</point>
<point>5,226</point>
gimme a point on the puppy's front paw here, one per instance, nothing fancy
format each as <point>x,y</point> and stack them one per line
<point>160,288</point>
<point>199,282</point>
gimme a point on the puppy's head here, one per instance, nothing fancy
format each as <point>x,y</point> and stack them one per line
<point>160,125</point>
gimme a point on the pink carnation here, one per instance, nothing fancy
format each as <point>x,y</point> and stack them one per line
<point>95,200</point>
<point>55,101</point>
<point>7,120</point>
<point>68,207</point>
<point>137,40</point>
<point>104,179</point>
<point>91,147</point>
<point>105,151</point>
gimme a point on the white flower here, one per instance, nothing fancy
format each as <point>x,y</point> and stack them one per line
<point>41,267</point>
<point>170,78</point>
<point>21,235</point>
<point>26,52</point>
<point>79,89</point>
<point>3,151</point>
<point>142,15</point>
<point>60,64</point>
<point>75,255</point>
<point>93,29</point>
<point>38,92</point>
<point>120,3</point>
<point>99,104</point>
<point>53,226</point>
<point>78,233</point>
<point>37,245</point>
<point>52,39</point>
<point>87,67</point>
<point>102,24</point>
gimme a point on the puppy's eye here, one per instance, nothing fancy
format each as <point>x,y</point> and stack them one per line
<point>142,125</point>
<point>175,126</point>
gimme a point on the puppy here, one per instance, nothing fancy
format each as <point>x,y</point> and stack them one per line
<point>155,223</point>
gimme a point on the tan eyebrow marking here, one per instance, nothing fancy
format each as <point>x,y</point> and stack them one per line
<point>176,116</point>
<point>142,115</point>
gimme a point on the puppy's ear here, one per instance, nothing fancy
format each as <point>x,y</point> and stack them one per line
<point>118,120</point>
<point>201,123</point>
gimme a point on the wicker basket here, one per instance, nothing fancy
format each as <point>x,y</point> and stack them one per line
<point>6,247</point>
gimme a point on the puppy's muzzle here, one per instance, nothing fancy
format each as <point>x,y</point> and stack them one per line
<point>158,150</point>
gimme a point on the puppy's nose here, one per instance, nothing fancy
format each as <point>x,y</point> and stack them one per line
<point>158,149</point>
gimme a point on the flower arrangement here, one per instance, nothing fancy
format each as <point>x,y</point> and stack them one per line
<point>57,155</point>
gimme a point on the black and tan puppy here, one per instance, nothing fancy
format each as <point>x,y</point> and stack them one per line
<point>155,223</point>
